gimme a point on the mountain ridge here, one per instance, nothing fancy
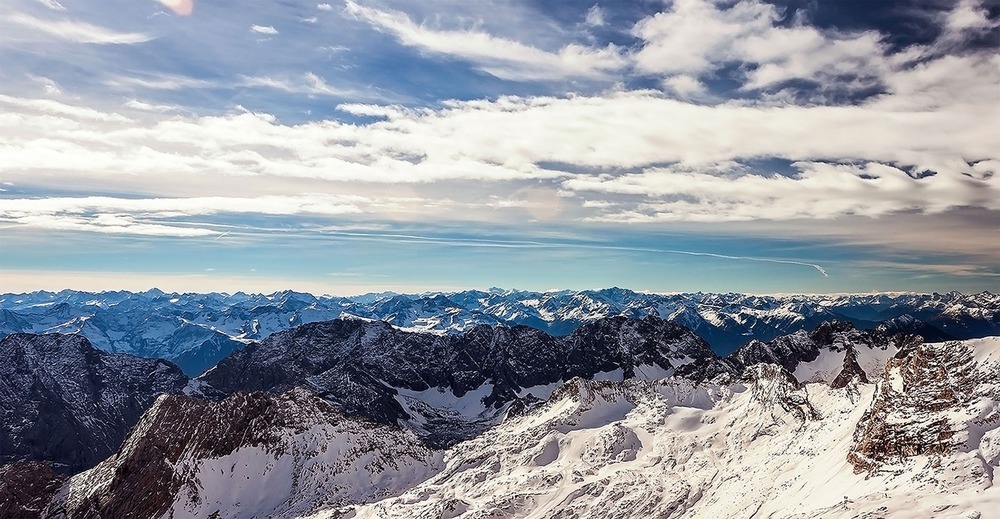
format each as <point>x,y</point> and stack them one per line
<point>197,330</point>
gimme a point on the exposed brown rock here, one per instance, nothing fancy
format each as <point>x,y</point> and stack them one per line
<point>907,416</point>
<point>850,371</point>
<point>141,480</point>
<point>26,487</point>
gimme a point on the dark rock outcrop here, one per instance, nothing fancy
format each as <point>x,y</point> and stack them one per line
<point>851,371</point>
<point>358,364</point>
<point>789,350</point>
<point>68,403</point>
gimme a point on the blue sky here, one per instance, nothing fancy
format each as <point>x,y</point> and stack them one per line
<point>344,147</point>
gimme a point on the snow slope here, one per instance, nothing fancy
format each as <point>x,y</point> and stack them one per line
<point>671,449</point>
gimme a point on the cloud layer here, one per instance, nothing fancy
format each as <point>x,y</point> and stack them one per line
<point>695,113</point>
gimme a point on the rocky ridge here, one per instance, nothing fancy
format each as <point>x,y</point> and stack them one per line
<point>275,455</point>
<point>448,388</point>
<point>65,402</point>
<point>197,330</point>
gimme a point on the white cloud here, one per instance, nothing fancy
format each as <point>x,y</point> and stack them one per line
<point>48,85</point>
<point>149,107</point>
<point>697,37</point>
<point>310,19</point>
<point>324,7</point>
<point>684,85</point>
<point>172,207</point>
<point>818,191</point>
<point>938,116</point>
<point>79,32</point>
<point>308,83</point>
<point>107,224</point>
<point>503,58</point>
<point>264,29</point>
<point>56,108</point>
<point>52,4</point>
<point>160,82</point>
<point>595,16</point>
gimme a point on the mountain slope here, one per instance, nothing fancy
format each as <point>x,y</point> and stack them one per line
<point>671,449</point>
<point>250,455</point>
<point>449,387</point>
<point>66,402</point>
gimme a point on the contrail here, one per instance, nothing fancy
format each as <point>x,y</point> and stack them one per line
<point>217,238</point>
<point>749,258</point>
<point>524,244</point>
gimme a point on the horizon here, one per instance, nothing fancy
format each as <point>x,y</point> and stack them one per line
<point>496,290</point>
<point>359,146</point>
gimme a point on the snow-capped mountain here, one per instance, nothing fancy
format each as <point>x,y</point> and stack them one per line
<point>769,447</point>
<point>921,440</point>
<point>250,455</point>
<point>197,330</point>
<point>450,387</point>
<point>68,403</point>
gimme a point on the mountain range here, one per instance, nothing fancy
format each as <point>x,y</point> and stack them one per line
<point>196,331</point>
<point>621,418</point>
<point>600,404</point>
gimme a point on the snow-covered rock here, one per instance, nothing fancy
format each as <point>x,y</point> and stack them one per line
<point>674,449</point>
<point>451,387</point>
<point>250,455</point>
<point>198,330</point>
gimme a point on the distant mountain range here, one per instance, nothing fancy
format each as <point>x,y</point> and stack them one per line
<point>195,331</point>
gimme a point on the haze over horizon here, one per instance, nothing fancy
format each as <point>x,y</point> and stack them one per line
<point>782,146</point>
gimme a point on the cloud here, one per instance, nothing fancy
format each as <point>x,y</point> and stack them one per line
<point>264,29</point>
<point>936,117</point>
<point>818,191</point>
<point>159,216</point>
<point>48,85</point>
<point>503,58</point>
<point>698,37</point>
<point>52,4</point>
<point>79,32</point>
<point>684,85</point>
<point>107,224</point>
<point>179,7</point>
<point>161,82</point>
<point>595,16</point>
<point>968,18</point>
<point>324,7</point>
<point>308,83</point>
<point>174,207</point>
<point>149,107</point>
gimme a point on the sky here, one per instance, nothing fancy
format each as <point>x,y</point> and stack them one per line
<point>343,147</point>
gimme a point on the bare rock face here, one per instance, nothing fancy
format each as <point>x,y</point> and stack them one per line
<point>918,406</point>
<point>68,403</point>
<point>26,487</point>
<point>362,367</point>
<point>773,387</point>
<point>788,351</point>
<point>250,454</point>
<point>852,371</point>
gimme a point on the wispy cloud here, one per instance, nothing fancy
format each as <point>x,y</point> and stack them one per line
<point>150,107</point>
<point>504,58</point>
<point>52,4</point>
<point>79,32</point>
<point>264,29</point>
